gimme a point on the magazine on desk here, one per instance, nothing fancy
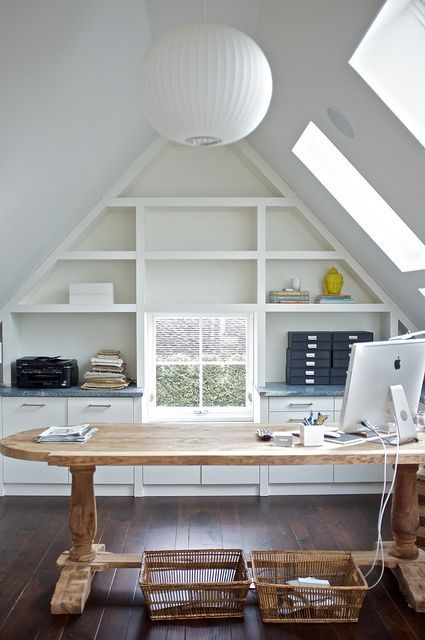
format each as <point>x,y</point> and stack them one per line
<point>73,434</point>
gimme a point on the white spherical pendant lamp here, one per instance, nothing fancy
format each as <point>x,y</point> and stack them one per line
<point>205,84</point>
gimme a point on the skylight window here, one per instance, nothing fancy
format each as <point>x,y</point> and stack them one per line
<point>360,199</point>
<point>391,59</point>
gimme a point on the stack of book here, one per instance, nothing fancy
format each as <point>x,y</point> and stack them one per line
<point>333,298</point>
<point>71,435</point>
<point>107,371</point>
<point>289,296</point>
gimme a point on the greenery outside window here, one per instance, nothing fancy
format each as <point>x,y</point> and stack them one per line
<point>201,367</point>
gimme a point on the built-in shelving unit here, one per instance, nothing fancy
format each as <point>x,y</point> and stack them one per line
<point>191,230</point>
<point>187,230</point>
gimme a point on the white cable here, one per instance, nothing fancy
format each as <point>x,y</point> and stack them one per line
<point>383,506</point>
<point>379,545</point>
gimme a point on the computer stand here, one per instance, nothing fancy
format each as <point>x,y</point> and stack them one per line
<point>406,428</point>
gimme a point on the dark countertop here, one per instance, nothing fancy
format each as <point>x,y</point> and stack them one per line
<point>71,392</point>
<point>271,389</point>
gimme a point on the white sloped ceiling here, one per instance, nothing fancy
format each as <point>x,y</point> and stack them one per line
<point>72,120</point>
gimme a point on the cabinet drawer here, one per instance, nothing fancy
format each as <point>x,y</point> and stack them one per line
<point>283,417</point>
<point>344,339</point>
<point>25,472</point>
<point>300,474</point>
<point>172,474</point>
<point>222,474</point>
<point>106,410</point>
<point>308,358</point>
<point>300,340</point>
<point>304,403</point>
<point>361,473</point>
<point>114,475</point>
<point>21,414</point>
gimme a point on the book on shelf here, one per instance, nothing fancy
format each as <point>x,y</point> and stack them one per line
<point>289,292</point>
<point>289,295</point>
<point>329,299</point>
<point>75,434</point>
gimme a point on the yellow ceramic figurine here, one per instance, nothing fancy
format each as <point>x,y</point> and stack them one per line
<point>332,282</point>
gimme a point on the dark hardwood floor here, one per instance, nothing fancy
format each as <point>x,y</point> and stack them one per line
<point>33,531</point>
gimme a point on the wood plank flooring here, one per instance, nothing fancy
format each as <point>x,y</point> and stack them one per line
<point>33,531</point>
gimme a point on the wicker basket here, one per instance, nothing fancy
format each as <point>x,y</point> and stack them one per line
<point>420,540</point>
<point>280,602</point>
<point>206,583</point>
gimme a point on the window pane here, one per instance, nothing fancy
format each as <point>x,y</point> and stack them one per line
<point>224,386</point>
<point>359,199</point>
<point>224,339</point>
<point>177,339</point>
<point>177,386</point>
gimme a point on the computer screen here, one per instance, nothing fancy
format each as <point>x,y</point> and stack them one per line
<point>384,384</point>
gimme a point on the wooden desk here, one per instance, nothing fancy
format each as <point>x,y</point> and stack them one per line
<point>209,444</point>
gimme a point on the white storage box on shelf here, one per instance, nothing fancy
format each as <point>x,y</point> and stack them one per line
<point>91,293</point>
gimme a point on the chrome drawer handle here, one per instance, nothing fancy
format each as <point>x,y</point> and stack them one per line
<point>33,404</point>
<point>104,406</point>
<point>300,404</point>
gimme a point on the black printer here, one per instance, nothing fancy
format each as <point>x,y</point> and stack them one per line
<point>46,372</point>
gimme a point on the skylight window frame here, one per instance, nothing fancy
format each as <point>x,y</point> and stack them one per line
<point>357,196</point>
<point>391,60</point>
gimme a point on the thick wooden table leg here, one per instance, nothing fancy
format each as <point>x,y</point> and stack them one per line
<point>405,513</point>
<point>402,555</point>
<point>73,586</point>
<point>405,525</point>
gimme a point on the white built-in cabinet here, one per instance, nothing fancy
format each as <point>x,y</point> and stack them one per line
<point>21,413</point>
<point>288,409</point>
<point>104,410</point>
<point>293,408</point>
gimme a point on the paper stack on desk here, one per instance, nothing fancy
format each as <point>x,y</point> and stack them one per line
<point>76,434</point>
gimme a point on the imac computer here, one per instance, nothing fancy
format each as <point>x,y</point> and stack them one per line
<point>383,386</point>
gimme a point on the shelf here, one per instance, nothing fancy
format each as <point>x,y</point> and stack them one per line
<point>74,308</point>
<point>327,308</point>
<point>99,255</point>
<point>202,201</point>
<point>200,255</point>
<point>200,308</point>
<point>303,255</point>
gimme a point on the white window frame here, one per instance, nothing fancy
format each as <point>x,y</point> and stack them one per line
<point>191,414</point>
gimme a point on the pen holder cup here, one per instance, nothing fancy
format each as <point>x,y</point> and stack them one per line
<point>312,435</point>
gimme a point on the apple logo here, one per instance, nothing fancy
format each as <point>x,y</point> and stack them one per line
<point>397,363</point>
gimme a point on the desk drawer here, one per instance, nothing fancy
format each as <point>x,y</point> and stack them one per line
<point>105,410</point>
<point>223,474</point>
<point>21,414</point>
<point>301,474</point>
<point>302,403</point>
<point>362,473</point>
<point>171,474</point>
